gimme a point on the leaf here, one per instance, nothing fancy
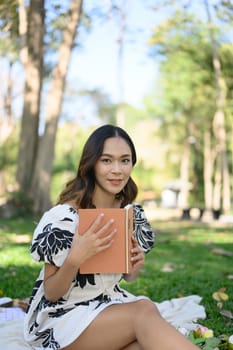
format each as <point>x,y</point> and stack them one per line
<point>219,304</point>
<point>199,341</point>
<point>191,336</point>
<point>220,251</point>
<point>168,267</point>
<point>227,313</point>
<point>211,343</point>
<point>195,340</point>
<point>180,295</point>
<point>220,295</point>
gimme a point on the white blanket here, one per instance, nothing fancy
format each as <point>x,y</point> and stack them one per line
<point>180,312</point>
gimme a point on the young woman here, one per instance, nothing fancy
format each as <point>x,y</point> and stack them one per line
<point>72,311</point>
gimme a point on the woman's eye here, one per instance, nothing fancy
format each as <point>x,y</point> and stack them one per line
<point>126,161</point>
<point>106,160</point>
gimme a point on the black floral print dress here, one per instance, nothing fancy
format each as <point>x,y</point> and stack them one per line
<point>54,325</point>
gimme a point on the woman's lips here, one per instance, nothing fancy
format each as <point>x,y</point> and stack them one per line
<point>115,182</point>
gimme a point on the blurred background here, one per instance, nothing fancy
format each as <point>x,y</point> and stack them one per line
<point>163,70</point>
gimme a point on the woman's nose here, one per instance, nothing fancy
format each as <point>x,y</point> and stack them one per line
<point>116,168</point>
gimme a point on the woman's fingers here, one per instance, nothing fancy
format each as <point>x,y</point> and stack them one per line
<point>103,229</point>
<point>106,240</point>
<point>138,255</point>
<point>96,223</point>
<point>98,227</point>
<point>101,234</point>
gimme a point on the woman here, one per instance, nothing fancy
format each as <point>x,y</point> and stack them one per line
<point>72,311</point>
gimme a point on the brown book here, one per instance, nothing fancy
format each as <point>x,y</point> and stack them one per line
<point>115,259</point>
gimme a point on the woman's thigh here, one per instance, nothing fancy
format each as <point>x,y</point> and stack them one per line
<point>133,346</point>
<point>112,329</point>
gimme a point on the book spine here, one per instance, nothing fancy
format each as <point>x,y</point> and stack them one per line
<point>127,240</point>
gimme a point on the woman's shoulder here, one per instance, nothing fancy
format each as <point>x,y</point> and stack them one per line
<point>53,235</point>
<point>60,212</point>
<point>138,209</point>
<point>143,231</point>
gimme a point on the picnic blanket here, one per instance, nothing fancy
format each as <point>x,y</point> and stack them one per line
<point>180,312</point>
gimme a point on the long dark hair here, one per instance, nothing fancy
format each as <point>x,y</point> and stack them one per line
<point>81,188</point>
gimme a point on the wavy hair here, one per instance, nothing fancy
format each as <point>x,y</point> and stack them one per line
<point>80,189</point>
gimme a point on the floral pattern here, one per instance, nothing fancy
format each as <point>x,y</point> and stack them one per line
<point>142,229</point>
<point>50,241</point>
<point>48,341</point>
<point>88,294</point>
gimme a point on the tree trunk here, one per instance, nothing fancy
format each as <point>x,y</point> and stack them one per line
<point>40,188</point>
<point>23,32</point>
<point>184,176</point>
<point>217,185</point>
<point>6,126</point>
<point>33,63</point>
<point>208,171</point>
<point>222,193</point>
<point>6,122</point>
<point>222,201</point>
<point>120,112</point>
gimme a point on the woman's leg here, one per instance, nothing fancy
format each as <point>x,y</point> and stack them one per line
<point>133,346</point>
<point>132,324</point>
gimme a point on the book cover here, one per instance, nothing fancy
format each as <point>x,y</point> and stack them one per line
<point>115,259</point>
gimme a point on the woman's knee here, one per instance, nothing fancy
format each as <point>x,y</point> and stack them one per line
<point>146,308</point>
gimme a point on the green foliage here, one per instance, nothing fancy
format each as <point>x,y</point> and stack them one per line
<point>8,150</point>
<point>69,145</point>
<point>205,343</point>
<point>144,177</point>
<point>8,157</point>
<point>185,102</point>
<point>9,22</point>
<point>9,16</point>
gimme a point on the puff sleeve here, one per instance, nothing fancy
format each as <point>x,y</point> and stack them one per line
<point>53,235</point>
<point>142,229</point>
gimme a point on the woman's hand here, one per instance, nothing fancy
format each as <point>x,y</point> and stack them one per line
<point>137,259</point>
<point>91,242</point>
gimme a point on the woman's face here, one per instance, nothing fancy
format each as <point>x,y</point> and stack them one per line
<point>113,168</point>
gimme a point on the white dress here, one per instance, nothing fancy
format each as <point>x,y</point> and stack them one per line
<point>54,325</point>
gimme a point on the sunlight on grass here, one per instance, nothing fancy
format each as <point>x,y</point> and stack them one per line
<point>17,255</point>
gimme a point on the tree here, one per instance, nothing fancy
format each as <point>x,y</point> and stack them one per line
<point>222,193</point>
<point>194,95</point>
<point>32,59</point>
<point>40,186</point>
<point>120,113</point>
<point>9,54</point>
<point>180,90</point>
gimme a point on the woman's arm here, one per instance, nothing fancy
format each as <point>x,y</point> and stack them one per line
<point>137,259</point>
<point>57,280</point>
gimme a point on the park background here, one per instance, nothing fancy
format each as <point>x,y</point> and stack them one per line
<point>163,70</point>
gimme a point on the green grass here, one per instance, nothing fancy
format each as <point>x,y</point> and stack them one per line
<point>197,270</point>
<point>17,270</point>
<point>187,246</point>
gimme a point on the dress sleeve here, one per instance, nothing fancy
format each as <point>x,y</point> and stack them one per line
<point>142,229</point>
<point>53,235</point>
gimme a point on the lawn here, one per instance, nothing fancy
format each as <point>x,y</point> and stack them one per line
<point>187,250</point>
<point>188,258</point>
